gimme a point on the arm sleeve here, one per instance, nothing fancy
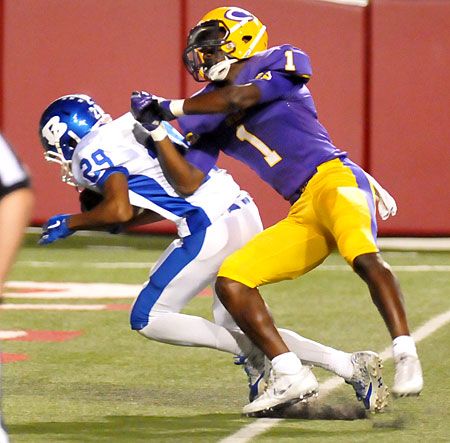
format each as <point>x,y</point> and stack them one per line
<point>110,171</point>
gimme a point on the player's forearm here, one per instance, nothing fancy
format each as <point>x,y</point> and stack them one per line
<point>142,217</point>
<point>224,100</point>
<point>184,177</point>
<point>105,214</point>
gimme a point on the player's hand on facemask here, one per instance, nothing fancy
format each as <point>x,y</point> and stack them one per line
<point>55,228</point>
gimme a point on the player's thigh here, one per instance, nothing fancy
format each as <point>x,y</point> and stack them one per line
<point>229,233</point>
<point>174,281</point>
<point>235,229</point>
<point>284,251</point>
<point>348,212</point>
<point>190,264</point>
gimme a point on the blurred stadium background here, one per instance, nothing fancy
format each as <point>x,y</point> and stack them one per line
<point>381,87</point>
<point>380,83</point>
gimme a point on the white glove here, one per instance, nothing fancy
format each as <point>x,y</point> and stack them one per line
<point>386,203</point>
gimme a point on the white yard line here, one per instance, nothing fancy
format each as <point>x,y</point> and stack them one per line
<point>101,265</point>
<point>264,424</point>
<point>63,290</point>
<point>58,307</point>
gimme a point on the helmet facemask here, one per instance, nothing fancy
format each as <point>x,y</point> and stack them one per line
<point>207,47</point>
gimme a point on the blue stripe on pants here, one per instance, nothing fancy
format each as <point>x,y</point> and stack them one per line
<point>169,269</point>
<point>364,185</point>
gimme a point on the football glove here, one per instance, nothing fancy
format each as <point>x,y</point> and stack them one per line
<point>144,110</point>
<point>162,108</point>
<point>55,228</point>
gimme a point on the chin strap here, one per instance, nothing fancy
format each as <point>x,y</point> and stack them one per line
<point>220,70</point>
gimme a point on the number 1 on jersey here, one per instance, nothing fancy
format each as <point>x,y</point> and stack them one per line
<point>271,157</point>
<point>289,61</point>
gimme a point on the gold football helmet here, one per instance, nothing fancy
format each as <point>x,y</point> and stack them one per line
<point>222,37</point>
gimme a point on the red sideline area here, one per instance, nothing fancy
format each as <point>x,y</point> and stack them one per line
<point>7,357</point>
<point>30,335</point>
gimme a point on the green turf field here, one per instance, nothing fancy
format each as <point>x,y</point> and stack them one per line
<point>110,384</point>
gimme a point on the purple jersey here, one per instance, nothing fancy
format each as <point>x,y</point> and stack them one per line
<point>281,138</point>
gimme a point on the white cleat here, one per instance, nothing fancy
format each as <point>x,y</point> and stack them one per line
<point>408,380</point>
<point>284,389</point>
<point>367,380</point>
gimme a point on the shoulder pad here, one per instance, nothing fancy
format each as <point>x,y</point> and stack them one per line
<point>284,58</point>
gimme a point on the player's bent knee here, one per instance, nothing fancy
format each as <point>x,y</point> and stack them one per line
<point>227,289</point>
<point>139,317</point>
<point>371,266</point>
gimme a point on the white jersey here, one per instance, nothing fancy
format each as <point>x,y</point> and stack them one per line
<point>114,148</point>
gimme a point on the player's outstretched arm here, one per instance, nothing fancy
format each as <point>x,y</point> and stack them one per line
<point>182,175</point>
<point>230,98</point>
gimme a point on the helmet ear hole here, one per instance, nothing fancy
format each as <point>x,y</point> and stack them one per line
<point>246,38</point>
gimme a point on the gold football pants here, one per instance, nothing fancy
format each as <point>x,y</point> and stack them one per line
<point>336,208</point>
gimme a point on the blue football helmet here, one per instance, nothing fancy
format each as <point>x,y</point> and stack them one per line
<point>63,124</point>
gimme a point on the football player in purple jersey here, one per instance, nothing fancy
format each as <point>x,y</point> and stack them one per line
<point>257,108</point>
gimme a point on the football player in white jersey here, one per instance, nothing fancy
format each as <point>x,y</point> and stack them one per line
<point>117,160</point>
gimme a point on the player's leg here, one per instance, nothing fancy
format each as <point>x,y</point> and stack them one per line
<point>388,298</point>
<point>185,268</point>
<point>284,251</point>
<point>361,369</point>
<point>348,210</point>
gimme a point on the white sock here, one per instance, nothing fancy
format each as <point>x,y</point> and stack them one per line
<point>189,330</point>
<point>403,344</point>
<point>316,354</point>
<point>287,363</point>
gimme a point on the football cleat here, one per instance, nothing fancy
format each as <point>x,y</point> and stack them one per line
<point>367,380</point>
<point>256,372</point>
<point>408,380</point>
<point>283,390</point>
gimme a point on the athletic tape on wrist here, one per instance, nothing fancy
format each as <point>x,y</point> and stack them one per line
<point>176,107</point>
<point>159,133</point>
